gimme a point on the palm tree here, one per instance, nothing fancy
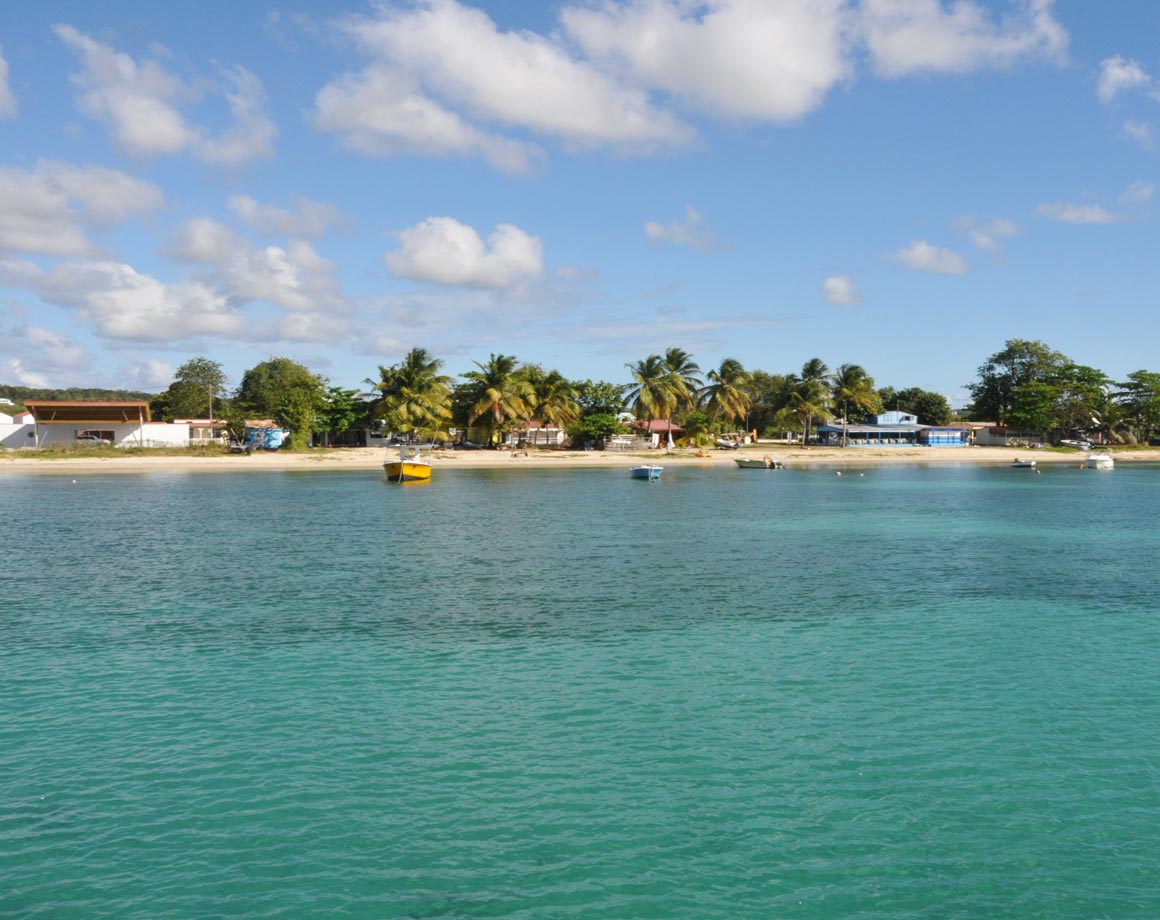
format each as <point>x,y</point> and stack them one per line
<point>649,395</point>
<point>851,386</point>
<point>681,378</point>
<point>556,404</point>
<point>498,392</point>
<point>810,397</point>
<point>415,398</point>
<point>727,391</point>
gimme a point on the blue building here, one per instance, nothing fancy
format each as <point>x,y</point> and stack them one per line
<point>893,429</point>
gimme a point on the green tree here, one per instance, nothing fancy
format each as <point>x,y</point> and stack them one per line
<point>341,411</point>
<point>649,395</point>
<point>809,397</point>
<point>1081,397</point>
<point>414,397</point>
<point>1032,407</point>
<point>930,408</point>
<point>595,427</point>
<point>994,394</point>
<point>682,381</point>
<point>554,397</point>
<point>852,388</point>
<point>197,388</point>
<point>1138,398</point>
<point>498,395</point>
<point>286,391</point>
<point>771,395</point>
<point>727,393</point>
<point>599,396</point>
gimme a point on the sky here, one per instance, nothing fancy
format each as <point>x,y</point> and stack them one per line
<point>900,184</point>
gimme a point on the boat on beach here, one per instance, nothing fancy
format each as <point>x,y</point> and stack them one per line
<point>410,467</point>
<point>765,463</point>
<point>1101,460</point>
<point>646,471</point>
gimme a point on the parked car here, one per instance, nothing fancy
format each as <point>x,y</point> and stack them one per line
<point>93,440</point>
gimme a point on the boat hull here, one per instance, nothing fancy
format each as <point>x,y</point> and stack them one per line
<point>1099,462</point>
<point>758,464</point>
<point>407,471</point>
<point>651,473</point>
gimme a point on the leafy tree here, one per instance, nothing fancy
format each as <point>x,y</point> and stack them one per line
<point>1000,377</point>
<point>599,396</point>
<point>1081,397</point>
<point>852,388</point>
<point>554,397</point>
<point>197,388</point>
<point>341,411</point>
<point>285,391</point>
<point>1139,400</point>
<point>595,427</point>
<point>415,397</point>
<point>770,394</point>
<point>1032,407</point>
<point>498,395</point>
<point>809,396</point>
<point>727,393</point>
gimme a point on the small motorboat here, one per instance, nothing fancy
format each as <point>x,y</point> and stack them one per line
<point>1023,464</point>
<point>1100,460</point>
<point>410,467</point>
<point>646,471</point>
<point>765,463</point>
<point>728,444</point>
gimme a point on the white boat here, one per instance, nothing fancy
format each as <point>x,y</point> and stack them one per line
<point>765,463</point>
<point>646,471</point>
<point>410,467</point>
<point>1023,464</point>
<point>728,444</point>
<point>1101,460</point>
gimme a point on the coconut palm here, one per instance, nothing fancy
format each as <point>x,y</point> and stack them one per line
<point>556,404</point>
<point>415,398</point>
<point>649,395</point>
<point>499,394</point>
<point>727,392</point>
<point>852,387</point>
<point>810,397</point>
<point>681,378</point>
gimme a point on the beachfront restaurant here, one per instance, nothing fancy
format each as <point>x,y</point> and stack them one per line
<point>894,429</point>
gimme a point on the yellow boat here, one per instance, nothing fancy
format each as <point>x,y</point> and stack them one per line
<point>410,467</point>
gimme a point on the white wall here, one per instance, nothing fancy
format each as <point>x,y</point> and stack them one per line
<point>151,434</point>
<point>14,436</point>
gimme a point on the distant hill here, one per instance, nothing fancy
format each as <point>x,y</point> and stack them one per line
<point>20,394</point>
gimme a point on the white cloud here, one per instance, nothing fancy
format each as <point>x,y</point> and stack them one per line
<point>152,374</point>
<point>687,232</point>
<point>35,356</point>
<point>443,251</point>
<point>47,211</point>
<point>296,277</point>
<point>989,236</point>
<point>1118,75</point>
<point>921,256</point>
<point>123,304</point>
<point>1138,193</point>
<point>1078,213</point>
<point>441,69</point>
<point>840,290</point>
<point>1140,132</point>
<point>913,36</point>
<point>735,59</point>
<point>139,102</point>
<point>309,220</point>
<point>7,100</point>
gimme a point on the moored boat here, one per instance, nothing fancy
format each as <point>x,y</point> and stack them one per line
<point>646,471</point>
<point>410,467</point>
<point>1023,464</point>
<point>765,463</point>
<point>1101,460</point>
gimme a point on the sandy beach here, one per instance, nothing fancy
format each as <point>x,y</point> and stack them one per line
<point>371,458</point>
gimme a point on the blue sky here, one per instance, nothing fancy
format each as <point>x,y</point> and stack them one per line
<point>902,184</point>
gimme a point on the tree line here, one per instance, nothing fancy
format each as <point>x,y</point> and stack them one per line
<point>1026,386</point>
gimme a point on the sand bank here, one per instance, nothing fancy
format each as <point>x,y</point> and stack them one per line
<point>371,458</point>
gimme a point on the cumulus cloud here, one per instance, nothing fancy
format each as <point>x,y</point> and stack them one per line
<point>1118,75</point>
<point>1140,132</point>
<point>687,232</point>
<point>307,220</point>
<point>841,291</point>
<point>124,304</point>
<point>35,356</point>
<point>49,210</point>
<point>737,59</point>
<point>441,250</point>
<point>140,102</point>
<point>1078,213</point>
<point>7,100</point>
<point>913,36</point>
<point>989,236</point>
<point>296,277</point>
<point>921,256</point>
<point>152,374</point>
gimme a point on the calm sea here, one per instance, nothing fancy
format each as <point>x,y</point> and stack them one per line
<point>917,693</point>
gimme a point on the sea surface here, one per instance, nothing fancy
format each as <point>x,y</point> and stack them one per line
<point>534,694</point>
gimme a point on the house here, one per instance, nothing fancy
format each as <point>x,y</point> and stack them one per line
<point>119,423</point>
<point>894,429</point>
<point>657,431</point>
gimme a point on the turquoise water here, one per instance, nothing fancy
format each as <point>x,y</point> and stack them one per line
<point>921,693</point>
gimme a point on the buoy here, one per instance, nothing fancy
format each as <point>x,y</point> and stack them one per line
<point>838,473</point>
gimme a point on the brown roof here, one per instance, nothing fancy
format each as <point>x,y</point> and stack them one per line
<point>60,411</point>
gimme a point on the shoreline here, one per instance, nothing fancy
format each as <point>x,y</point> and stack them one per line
<point>371,458</point>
